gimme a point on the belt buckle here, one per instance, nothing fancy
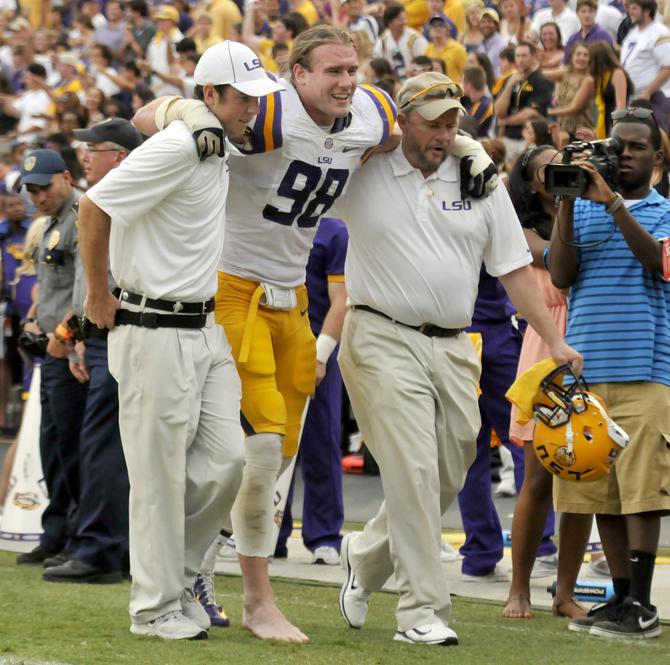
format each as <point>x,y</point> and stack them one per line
<point>149,320</point>
<point>424,327</point>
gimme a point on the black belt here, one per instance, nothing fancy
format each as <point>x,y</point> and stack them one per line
<point>426,328</point>
<point>167,305</point>
<point>124,317</point>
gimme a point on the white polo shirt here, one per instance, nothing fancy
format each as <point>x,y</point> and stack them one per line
<point>32,105</point>
<point>416,248</point>
<point>168,213</point>
<point>644,53</point>
<point>567,22</point>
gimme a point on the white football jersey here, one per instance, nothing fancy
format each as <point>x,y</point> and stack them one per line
<point>295,174</point>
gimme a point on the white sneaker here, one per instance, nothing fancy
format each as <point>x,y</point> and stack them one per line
<point>170,626</point>
<point>432,633</point>
<point>326,555</point>
<point>448,554</point>
<point>193,610</point>
<point>353,598</point>
<point>545,566</point>
<point>496,575</point>
<point>506,487</point>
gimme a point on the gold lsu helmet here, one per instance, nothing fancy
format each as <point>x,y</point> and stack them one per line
<point>575,439</point>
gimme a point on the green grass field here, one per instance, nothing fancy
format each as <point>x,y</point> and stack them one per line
<point>88,625</point>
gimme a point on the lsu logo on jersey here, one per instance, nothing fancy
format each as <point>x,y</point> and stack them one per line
<point>456,206</point>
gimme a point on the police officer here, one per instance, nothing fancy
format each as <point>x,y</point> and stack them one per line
<point>49,184</point>
<point>102,528</point>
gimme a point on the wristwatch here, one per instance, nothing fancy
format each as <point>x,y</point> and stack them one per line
<point>615,205</point>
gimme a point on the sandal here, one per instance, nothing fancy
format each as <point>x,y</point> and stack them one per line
<point>569,608</point>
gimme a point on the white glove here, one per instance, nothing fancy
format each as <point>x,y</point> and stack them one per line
<point>202,123</point>
<point>479,176</point>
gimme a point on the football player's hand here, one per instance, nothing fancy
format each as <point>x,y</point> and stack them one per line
<point>479,176</point>
<point>202,123</point>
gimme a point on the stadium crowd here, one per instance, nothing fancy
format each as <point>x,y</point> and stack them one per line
<point>532,77</point>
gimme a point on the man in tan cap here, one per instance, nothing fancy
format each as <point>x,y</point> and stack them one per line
<point>415,252</point>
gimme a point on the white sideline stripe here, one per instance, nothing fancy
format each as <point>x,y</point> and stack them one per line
<point>22,661</point>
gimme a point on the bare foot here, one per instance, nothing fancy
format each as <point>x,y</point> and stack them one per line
<point>268,623</point>
<point>517,607</point>
<point>569,608</point>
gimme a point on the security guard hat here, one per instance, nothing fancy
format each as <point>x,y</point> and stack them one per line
<point>39,167</point>
<point>115,130</point>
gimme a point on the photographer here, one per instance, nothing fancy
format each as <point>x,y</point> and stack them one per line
<point>608,247</point>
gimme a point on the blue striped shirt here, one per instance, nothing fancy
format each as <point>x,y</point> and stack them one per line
<point>618,313</point>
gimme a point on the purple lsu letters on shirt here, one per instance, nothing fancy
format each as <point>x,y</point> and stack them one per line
<point>327,257</point>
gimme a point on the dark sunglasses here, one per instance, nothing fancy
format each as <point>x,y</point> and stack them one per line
<point>636,111</point>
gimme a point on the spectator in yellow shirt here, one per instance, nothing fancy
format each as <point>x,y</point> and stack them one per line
<point>417,13</point>
<point>283,32</point>
<point>225,14</point>
<point>455,10</point>
<point>203,32</point>
<point>68,64</point>
<point>447,49</point>
<point>307,9</point>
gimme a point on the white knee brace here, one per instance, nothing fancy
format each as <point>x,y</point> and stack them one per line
<point>253,511</point>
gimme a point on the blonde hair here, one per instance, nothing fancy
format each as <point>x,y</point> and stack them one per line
<point>311,39</point>
<point>362,44</point>
<point>33,237</point>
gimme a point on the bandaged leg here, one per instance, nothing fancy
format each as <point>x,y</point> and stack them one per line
<point>252,517</point>
<point>253,510</point>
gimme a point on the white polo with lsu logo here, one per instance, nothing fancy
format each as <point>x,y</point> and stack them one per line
<point>415,248</point>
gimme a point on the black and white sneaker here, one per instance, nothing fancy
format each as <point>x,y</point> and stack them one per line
<point>634,621</point>
<point>602,612</point>
<point>432,633</point>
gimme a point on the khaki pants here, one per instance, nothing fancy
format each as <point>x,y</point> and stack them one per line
<point>415,400</point>
<point>179,405</point>
<point>639,482</point>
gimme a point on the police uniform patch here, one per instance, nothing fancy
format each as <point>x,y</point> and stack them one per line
<point>29,163</point>
<point>54,239</point>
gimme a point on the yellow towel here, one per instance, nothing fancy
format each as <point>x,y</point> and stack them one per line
<point>523,391</point>
<point>478,342</point>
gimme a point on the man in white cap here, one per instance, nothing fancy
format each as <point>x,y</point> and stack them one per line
<point>160,216</point>
<point>415,253</point>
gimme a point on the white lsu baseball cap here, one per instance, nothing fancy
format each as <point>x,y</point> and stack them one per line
<point>232,63</point>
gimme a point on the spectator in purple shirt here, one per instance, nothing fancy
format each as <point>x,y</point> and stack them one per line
<point>113,33</point>
<point>590,31</point>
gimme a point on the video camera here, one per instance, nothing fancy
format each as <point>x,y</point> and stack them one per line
<point>566,179</point>
<point>35,345</point>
